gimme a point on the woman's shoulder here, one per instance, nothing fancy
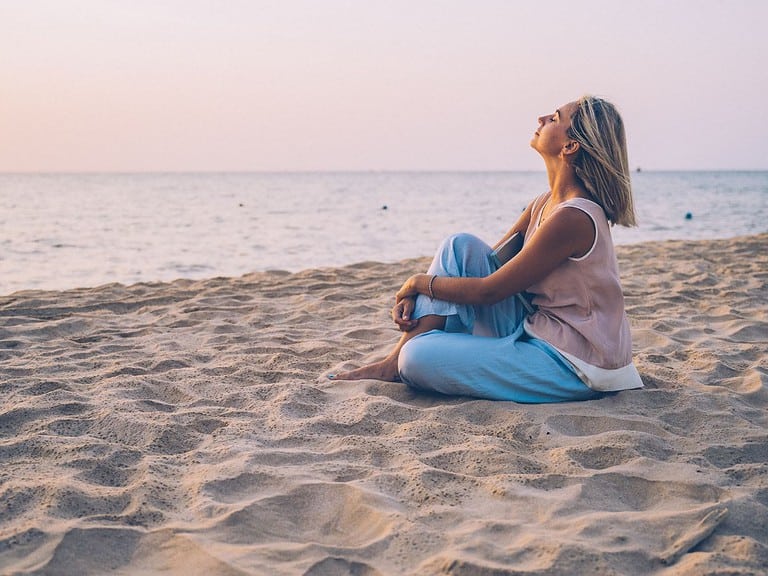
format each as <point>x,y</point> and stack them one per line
<point>543,197</point>
<point>585,205</point>
<point>539,201</point>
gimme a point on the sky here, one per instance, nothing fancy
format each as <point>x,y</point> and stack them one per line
<point>306,85</point>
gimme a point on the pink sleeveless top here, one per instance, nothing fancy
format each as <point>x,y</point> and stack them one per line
<point>581,307</point>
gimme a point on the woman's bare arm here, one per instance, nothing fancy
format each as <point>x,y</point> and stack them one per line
<point>564,234</point>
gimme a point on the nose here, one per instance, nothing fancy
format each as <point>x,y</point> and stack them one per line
<point>542,120</point>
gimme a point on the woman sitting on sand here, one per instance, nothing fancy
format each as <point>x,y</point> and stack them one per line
<point>466,332</point>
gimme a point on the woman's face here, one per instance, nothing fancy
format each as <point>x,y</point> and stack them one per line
<point>552,135</point>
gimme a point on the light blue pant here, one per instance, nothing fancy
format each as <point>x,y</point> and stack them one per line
<point>483,351</point>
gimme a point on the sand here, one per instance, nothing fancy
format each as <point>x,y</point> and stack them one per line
<point>186,428</point>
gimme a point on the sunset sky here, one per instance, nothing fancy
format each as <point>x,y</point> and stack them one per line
<point>198,85</point>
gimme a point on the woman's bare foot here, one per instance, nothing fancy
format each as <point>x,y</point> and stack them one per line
<point>382,370</point>
<point>387,369</point>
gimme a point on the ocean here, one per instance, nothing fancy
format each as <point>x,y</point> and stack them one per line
<point>60,231</point>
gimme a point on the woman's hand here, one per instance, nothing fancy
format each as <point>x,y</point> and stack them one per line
<point>401,314</point>
<point>409,287</point>
<point>405,301</point>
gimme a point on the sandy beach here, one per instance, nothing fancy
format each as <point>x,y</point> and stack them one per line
<point>187,428</point>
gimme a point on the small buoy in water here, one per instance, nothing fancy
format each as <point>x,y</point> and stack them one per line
<point>688,215</point>
<point>384,207</point>
<point>241,204</point>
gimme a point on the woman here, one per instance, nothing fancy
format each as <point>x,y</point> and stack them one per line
<point>466,333</point>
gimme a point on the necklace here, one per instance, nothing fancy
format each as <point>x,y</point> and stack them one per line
<point>544,207</point>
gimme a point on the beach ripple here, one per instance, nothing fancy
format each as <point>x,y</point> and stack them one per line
<point>187,428</point>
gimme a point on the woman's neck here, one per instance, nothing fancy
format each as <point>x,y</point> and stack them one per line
<point>564,184</point>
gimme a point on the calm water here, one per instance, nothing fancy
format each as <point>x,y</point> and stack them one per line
<point>65,230</point>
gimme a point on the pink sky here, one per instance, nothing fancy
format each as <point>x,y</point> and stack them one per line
<point>108,85</point>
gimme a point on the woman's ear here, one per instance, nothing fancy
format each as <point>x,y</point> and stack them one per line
<point>571,147</point>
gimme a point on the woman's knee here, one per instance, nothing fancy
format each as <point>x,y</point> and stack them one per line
<point>464,241</point>
<point>465,254</point>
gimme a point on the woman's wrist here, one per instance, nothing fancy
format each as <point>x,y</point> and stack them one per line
<point>431,287</point>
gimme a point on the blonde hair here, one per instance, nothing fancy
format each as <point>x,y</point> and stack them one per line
<point>601,162</point>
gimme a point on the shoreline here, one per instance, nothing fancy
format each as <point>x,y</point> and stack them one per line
<point>68,231</point>
<point>187,426</point>
<point>157,282</point>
